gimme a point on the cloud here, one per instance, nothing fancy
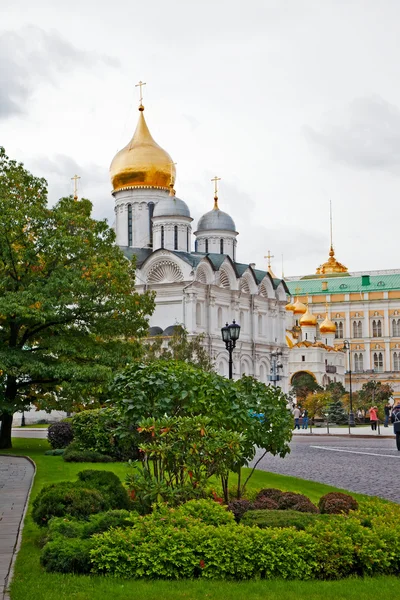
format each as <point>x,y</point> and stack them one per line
<point>33,56</point>
<point>365,134</point>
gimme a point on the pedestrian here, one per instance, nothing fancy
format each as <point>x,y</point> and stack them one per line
<point>387,409</point>
<point>395,418</point>
<point>305,419</point>
<point>296,415</point>
<point>373,417</point>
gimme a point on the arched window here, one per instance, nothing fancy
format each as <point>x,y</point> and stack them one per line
<point>262,374</point>
<point>206,246</point>
<point>176,237</point>
<point>221,368</point>
<point>162,236</point>
<point>339,330</point>
<point>378,362</point>
<point>396,361</point>
<point>151,210</point>
<point>187,239</point>
<point>396,327</point>
<point>195,245</point>
<point>219,317</point>
<point>130,240</point>
<point>221,246</point>
<point>377,328</point>
<point>260,325</point>
<point>357,329</point>
<point>358,362</point>
<point>198,314</point>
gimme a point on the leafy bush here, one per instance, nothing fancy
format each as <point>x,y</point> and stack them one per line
<point>66,498</point>
<point>207,511</point>
<point>56,452</point>
<point>74,528</point>
<point>67,556</point>
<point>272,493</point>
<point>74,454</point>
<point>293,501</point>
<point>278,518</point>
<point>265,503</point>
<point>239,507</point>
<point>108,484</point>
<point>60,435</point>
<point>336,503</point>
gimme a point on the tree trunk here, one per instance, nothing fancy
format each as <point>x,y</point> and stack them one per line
<point>5,431</point>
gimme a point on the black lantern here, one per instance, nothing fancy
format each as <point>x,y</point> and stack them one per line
<point>230,335</point>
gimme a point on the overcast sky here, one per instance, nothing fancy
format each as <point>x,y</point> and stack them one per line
<point>291,102</point>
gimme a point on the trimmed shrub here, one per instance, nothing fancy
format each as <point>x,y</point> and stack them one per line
<point>336,503</point>
<point>56,452</point>
<point>66,498</point>
<point>67,556</point>
<point>75,528</point>
<point>293,501</point>
<point>239,507</point>
<point>65,527</point>
<point>272,493</point>
<point>60,435</point>
<point>109,485</point>
<point>278,518</point>
<point>265,503</point>
<point>207,511</point>
<point>74,454</point>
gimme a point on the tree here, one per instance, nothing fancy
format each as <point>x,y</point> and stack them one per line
<point>374,393</point>
<point>302,385</point>
<point>69,314</point>
<point>336,412</point>
<point>181,346</point>
<point>316,403</point>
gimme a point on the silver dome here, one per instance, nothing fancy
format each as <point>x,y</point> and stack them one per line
<point>216,219</point>
<point>171,206</point>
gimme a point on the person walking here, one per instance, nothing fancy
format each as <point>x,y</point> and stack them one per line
<point>387,409</point>
<point>373,417</point>
<point>296,415</point>
<point>305,419</point>
<point>395,418</point>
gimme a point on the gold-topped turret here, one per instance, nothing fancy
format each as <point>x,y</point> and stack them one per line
<point>332,265</point>
<point>299,308</point>
<point>308,319</point>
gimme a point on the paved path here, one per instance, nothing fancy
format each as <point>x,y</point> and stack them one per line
<point>16,474</point>
<point>368,466</point>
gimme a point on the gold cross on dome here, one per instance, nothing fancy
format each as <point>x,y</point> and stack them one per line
<point>268,257</point>
<point>140,85</point>
<point>215,180</point>
<point>297,290</point>
<point>75,180</point>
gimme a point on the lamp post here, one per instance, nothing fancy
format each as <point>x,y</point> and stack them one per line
<point>275,366</point>
<point>352,423</point>
<point>230,335</point>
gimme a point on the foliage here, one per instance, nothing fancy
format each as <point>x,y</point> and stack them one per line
<point>278,518</point>
<point>265,503</point>
<point>72,453</point>
<point>108,484</point>
<point>104,431</point>
<point>60,435</point>
<point>178,457</point>
<point>303,385</point>
<point>72,528</point>
<point>208,511</point>
<point>317,403</point>
<point>69,312</point>
<point>66,498</point>
<point>239,508</point>
<point>337,503</point>
<point>56,452</point>
<point>294,501</point>
<point>374,393</point>
<point>272,493</point>
<point>173,388</point>
<point>336,412</point>
<point>67,555</point>
<point>182,347</point>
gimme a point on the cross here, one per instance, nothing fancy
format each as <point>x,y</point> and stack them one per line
<point>297,290</point>
<point>75,180</point>
<point>215,180</point>
<point>268,257</point>
<point>140,85</point>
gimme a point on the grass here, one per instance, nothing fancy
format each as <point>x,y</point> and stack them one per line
<point>30,581</point>
<point>34,426</point>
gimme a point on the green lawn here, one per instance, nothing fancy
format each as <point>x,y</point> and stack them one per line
<point>34,426</point>
<point>31,582</point>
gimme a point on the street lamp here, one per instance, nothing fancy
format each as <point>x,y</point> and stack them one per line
<point>275,366</point>
<point>230,335</point>
<point>352,423</point>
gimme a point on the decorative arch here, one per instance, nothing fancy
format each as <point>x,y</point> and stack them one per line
<point>164,271</point>
<point>281,292</point>
<point>227,275</point>
<point>266,288</point>
<point>245,366</point>
<point>302,372</point>
<point>204,272</point>
<point>244,285</point>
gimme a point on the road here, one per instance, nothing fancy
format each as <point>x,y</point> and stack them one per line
<point>368,466</point>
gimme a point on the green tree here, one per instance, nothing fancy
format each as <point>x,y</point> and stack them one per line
<point>69,314</point>
<point>316,403</point>
<point>302,385</point>
<point>336,412</point>
<point>374,393</point>
<point>180,346</point>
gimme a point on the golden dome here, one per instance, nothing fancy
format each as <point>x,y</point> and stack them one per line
<point>308,320</point>
<point>327,326</point>
<point>289,306</point>
<point>299,308</point>
<point>142,163</point>
<point>331,265</point>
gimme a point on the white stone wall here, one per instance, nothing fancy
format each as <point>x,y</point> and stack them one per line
<point>214,242</point>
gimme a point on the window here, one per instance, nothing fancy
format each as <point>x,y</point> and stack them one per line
<point>195,245</point>
<point>303,358</point>
<point>206,246</point>
<point>219,317</point>
<point>187,239</point>
<point>396,361</point>
<point>260,325</point>
<point>358,362</point>
<point>377,328</point>
<point>378,362</point>
<point>318,333</point>
<point>357,329</point>
<point>234,251</point>
<point>130,225</point>
<point>396,327</point>
<point>198,314</point>
<point>151,210</point>
<point>176,237</point>
<point>162,236</point>
<point>262,374</point>
<point>339,330</point>
<point>221,246</point>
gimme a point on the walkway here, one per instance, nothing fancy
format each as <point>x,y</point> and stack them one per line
<point>360,430</point>
<point>16,474</point>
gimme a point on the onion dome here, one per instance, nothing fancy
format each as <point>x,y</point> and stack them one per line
<point>289,306</point>
<point>171,207</point>
<point>299,308</point>
<point>216,219</point>
<point>327,326</point>
<point>331,266</point>
<point>308,319</point>
<point>142,163</point>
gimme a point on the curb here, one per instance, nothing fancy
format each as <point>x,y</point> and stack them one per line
<point>347,435</point>
<point>20,528</point>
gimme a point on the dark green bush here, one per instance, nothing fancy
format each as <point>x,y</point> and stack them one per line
<point>74,454</point>
<point>109,485</point>
<point>278,518</point>
<point>67,556</point>
<point>70,527</point>
<point>60,435</point>
<point>239,507</point>
<point>272,493</point>
<point>66,498</point>
<point>336,503</point>
<point>208,511</point>
<point>56,452</point>
<point>66,527</point>
<point>293,501</point>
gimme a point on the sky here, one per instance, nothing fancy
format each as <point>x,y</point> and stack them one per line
<point>293,103</point>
